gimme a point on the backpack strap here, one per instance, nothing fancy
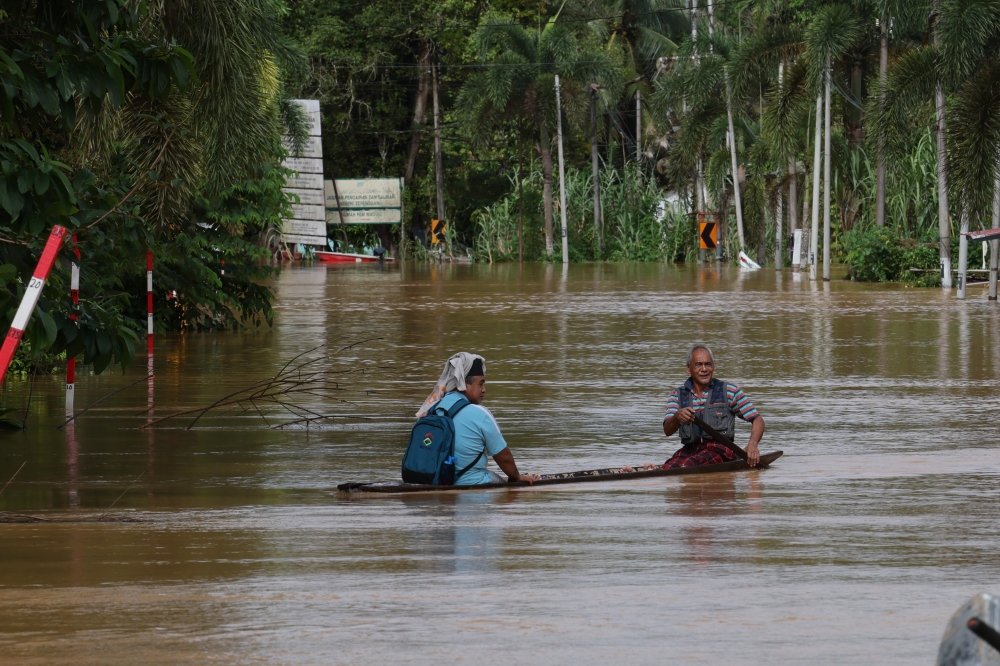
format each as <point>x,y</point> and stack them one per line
<point>718,392</point>
<point>472,464</point>
<point>461,404</point>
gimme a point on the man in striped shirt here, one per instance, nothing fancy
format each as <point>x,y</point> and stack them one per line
<point>716,402</point>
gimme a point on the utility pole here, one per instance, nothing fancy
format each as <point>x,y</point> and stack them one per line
<point>595,171</point>
<point>816,177</point>
<point>826,177</point>
<point>779,221</point>
<point>562,176</point>
<point>438,167</point>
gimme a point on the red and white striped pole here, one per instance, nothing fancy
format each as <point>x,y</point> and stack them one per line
<point>149,302</point>
<point>30,300</point>
<point>74,292</point>
<point>149,331</point>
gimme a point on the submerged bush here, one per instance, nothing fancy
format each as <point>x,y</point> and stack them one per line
<point>882,254</point>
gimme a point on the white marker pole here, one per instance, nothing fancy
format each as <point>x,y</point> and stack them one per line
<point>562,177</point>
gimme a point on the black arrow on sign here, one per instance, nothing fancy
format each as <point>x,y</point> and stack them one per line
<point>706,235</point>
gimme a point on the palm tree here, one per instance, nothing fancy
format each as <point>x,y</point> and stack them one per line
<point>517,84</point>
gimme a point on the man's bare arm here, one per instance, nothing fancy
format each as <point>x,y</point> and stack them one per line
<point>505,459</point>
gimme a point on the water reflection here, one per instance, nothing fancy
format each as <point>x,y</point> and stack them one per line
<point>876,523</point>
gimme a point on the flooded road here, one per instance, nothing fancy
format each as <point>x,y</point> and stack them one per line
<point>855,547</point>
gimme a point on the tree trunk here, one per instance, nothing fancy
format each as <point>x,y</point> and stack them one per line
<point>735,165</point>
<point>995,244</point>
<point>883,73</point>
<point>793,196</point>
<point>438,167</point>
<point>806,240</point>
<point>827,182</point>
<point>545,148</point>
<point>416,129</point>
<point>596,174</point>
<point>816,177</point>
<point>638,126</point>
<point>779,222</point>
<point>562,176</point>
<point>944,225</point>
<point>520,201</point>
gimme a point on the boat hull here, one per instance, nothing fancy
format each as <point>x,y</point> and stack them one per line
<point>585,476</point>
<point>347,258</point>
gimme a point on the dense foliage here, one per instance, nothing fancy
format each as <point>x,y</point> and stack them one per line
<point>140,126</point>
<point>762,63</point>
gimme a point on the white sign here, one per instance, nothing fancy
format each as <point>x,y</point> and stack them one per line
<point>305,240</point>
<point>303,164</point>
<point>797,248</point>
<point>309,197</point>
<point>311,107</point>
<point>306,181</point>
<point>305,212</point>
<point>370,193</point>
<point>368,216</point>
<point>311,147</point>
<point>306,227</point>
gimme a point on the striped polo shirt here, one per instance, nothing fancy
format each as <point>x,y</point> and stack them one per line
<point>739,403</point>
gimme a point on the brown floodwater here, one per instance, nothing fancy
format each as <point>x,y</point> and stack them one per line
<point>855,547</point>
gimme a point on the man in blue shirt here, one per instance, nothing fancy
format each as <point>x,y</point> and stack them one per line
<point>477,435</point>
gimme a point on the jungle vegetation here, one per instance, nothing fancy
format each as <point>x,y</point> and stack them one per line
<point>154,125</point>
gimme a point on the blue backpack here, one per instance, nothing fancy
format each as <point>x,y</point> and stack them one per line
<point>430,455</point>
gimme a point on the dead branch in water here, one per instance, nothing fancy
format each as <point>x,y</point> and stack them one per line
<point>304,375</point>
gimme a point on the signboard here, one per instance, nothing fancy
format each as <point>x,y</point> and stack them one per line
<point>305,240</point>
<point>797,247</point>
<point>708,235</point>
<point>311,147</point>
<point>308,223</point>
<point>370,216</point>
<point>303,164</point>
<point>311,197</point>
<point>369,193</point>
<point>305,227</point>
<point>369,201</point>
<point>306,181</point>
<point>306,212</point>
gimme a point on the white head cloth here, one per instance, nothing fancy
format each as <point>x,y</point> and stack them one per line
<point>452,379</point>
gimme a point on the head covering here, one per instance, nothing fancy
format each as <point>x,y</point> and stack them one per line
<point>452,378</point>
<point>477,369</point>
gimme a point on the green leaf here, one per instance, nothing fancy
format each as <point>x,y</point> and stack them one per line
<point>49,324</point>
<point>8,272</point>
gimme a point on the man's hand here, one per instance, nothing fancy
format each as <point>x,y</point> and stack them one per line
<point>753,455</point>
<point>527,478</point>
<point>686,415</point>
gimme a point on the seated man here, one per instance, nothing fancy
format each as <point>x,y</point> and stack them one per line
<point>718,403</point>
<point>476,431</point>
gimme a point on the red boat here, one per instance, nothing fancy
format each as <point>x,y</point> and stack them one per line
<point>347,258</point>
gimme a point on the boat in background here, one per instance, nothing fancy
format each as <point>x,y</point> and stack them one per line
<point>347,258</point>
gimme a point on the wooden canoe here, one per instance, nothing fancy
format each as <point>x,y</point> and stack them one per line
<point>585,476</point>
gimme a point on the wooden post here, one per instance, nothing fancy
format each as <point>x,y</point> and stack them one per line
<point>562,176</point>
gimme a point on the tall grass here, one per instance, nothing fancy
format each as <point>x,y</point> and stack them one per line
<point>631,230</point>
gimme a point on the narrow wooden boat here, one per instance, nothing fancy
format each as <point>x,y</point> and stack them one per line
<point>347,258</point>
<point>585,476</point>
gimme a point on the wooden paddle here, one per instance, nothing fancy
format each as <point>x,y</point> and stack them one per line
<point>722,439</point>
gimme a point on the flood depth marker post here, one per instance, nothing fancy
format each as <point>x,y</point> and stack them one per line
<point>74,292</point>
<point>30,300</point>
<point>149,326</point>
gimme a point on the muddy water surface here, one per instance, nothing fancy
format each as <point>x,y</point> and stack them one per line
<point>855,547</point>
